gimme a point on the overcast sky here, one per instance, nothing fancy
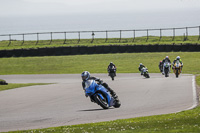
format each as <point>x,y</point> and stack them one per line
<point>56,7</point>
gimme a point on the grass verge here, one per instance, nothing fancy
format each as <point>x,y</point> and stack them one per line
<point>13,86</point>
<point>17,44</point>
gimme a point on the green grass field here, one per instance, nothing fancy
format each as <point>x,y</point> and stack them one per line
<point>185,121</point>
<point>126,63</point>
<point>19,44</point>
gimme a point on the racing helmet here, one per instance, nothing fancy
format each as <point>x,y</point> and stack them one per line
<point>111,63</point>
<point>140,64</point>
<point>167,57</point>
<point>85,75</point>
<point>178,57</point>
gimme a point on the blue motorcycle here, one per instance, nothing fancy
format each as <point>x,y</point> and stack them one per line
<point>100,95</point>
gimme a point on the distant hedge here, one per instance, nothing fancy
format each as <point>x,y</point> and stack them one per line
<point>78,50</point>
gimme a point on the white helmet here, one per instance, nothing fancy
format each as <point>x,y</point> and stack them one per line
<point>167,57</point>
<point>178,57</point>
<point>140,64</point>
<point>85,75</point>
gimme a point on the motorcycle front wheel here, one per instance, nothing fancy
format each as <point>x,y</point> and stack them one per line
<point>147,75</point>
<point>102,102</point>
<point>166,73</point>
<point>177,73</point>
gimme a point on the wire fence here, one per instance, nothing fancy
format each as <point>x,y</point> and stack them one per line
<point>105,35</point>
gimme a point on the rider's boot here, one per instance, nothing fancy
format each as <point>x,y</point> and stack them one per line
<point>114,95</point>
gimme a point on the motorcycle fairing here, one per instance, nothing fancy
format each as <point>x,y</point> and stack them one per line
<point>92,88</point>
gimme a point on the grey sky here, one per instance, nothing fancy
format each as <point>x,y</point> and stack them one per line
<point>56,7</point>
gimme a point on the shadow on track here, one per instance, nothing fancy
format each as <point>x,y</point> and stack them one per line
<point>94,109</point>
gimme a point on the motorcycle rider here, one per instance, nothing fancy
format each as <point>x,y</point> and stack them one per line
<point>110,67</point>
<point>166,59</point>
<point>160,66</point>
<point>178,58</point>
<point>86,76</point>
<point>140,68</point>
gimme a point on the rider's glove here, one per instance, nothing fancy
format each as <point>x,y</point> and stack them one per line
<point>86,95</point>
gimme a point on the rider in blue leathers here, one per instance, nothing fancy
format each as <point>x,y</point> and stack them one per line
<point>86,76</point>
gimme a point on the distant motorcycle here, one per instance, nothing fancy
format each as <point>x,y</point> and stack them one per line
<point>177,68</point>
<point>166,66</point>
<point>145,72</point>
<point>112,72</point>
<point>100,95</point>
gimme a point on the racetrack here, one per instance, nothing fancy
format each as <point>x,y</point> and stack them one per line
<point>64,102</point>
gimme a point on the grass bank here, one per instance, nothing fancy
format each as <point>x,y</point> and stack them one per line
<point>126,63</point>
<point>19,44</point>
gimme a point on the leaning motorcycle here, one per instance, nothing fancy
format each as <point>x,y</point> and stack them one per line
<point>112,72</point>
<point>166,66</point>
<point>100,95</point>
<point>177,68</point>
<point>145,72</point>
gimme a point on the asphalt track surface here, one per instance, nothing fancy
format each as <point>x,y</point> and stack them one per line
<point>64,102</point>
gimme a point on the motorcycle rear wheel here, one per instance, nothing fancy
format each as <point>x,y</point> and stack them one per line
<point>117,104</point>
<point>147,75</point>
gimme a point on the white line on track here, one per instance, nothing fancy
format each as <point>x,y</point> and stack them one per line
<point>195,101</point>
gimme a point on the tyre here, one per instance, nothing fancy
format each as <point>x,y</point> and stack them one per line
<point>146,75</point>
<point>112,75</point>
<point>166,73</point>
<point>177,73</point>
<point>117,104</point>
<point>102,102</point>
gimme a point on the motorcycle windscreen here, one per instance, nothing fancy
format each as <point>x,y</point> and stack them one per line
<point>177,64</point>
<point>90,87</point>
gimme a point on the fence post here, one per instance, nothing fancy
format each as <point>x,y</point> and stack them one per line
<point>23,39</point>
<point>51,38</point>
<point>173,34</point>
<point>185,37</point>
<point>120,35</point>
<point>9,40</point>
<point>160,34</point>
<point>147,35</point>
<point>106,36</point>
<point>79,36</point>
<point>65,38</point>
<point>199,34</point>
<point>92,36</point>
<point>37,38</point>
<point>133,35</point>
